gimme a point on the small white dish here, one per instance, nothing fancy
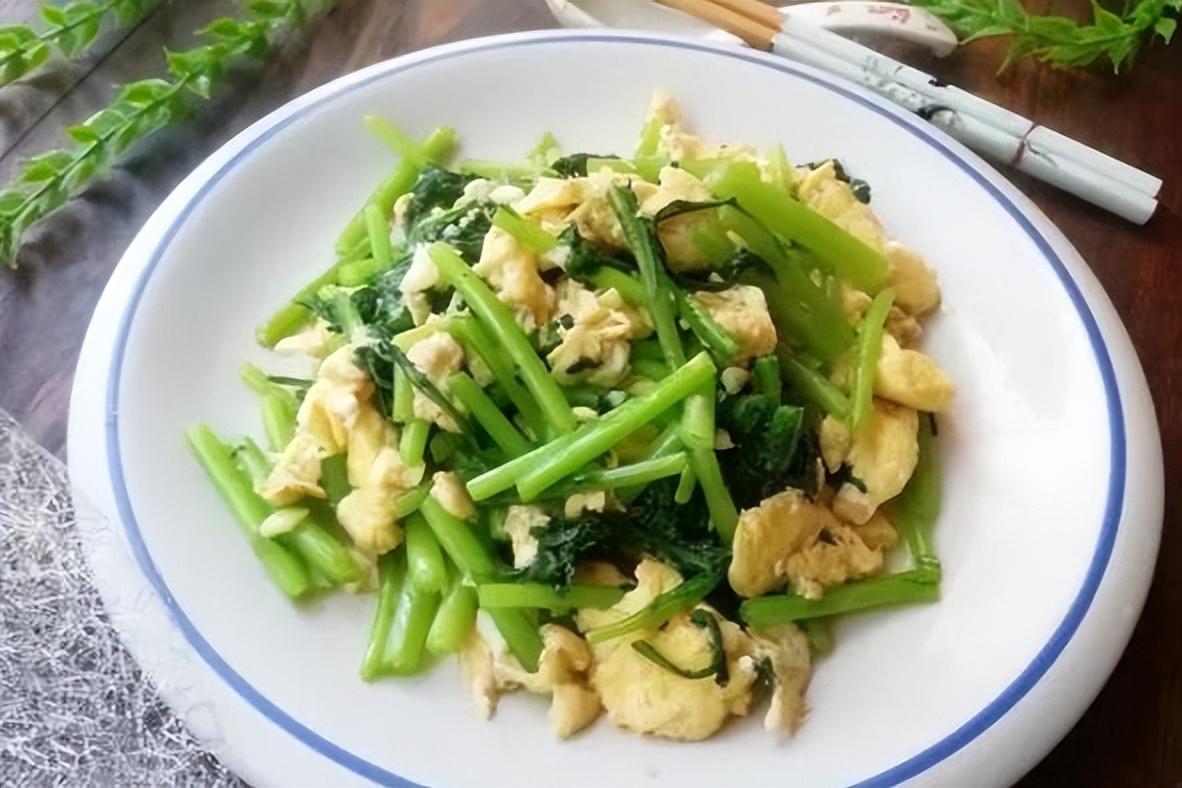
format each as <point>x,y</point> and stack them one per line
<point>868,21</point>
<point>1053,477</point>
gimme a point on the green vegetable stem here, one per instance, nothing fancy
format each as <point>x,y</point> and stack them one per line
<point>285,569</point>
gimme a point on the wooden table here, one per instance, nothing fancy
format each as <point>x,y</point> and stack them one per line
<point>1133,733</point>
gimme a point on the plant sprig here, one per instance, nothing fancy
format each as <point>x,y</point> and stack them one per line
<point>1057,40</point>
<point>48,181</point>
<point>71,28</point>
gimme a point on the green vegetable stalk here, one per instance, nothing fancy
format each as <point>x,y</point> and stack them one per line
<point>488,415</point>
<point>476,343</point>
<point>697,433</point>
<point>573,597</point>
<point>915,510</point>
<point>641,237</point>
<point>868,349</point>
<point>528,233</point>
<point>285,569</point>
<point>454,621</point>
<point>534,472</point>
<point>897,589</point>
<point>426,568</point>
<point>313,538</point>
<point>497,320</point>
<point>851,259</point>
<point>663,607</point>
<point>476,561</point>
<point>814,386</point>
<point>392,570</point>
<point>437,149</point>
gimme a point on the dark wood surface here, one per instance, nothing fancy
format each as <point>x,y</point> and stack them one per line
<point>1132,735</point>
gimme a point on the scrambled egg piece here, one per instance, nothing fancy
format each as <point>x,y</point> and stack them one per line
<point>787,649</point>
<point>338,415</point>
<point>742,311</point>
<point>584,502</point>
<point>594,216</point>
<point>768,534</point>
<point>315,341</point>
<point>676,234</point>
<point>476,665</point>
<point>916,290</point>
<point>421,277</point>
<point>370,434</point>
<point>837,555</point>
<point>332,403</point>
<point>911,378</point>
<point>519,524</point>
<point>449,490</point>
<point>367,516</point>
<point>513,273</point>
<point>438,357</point>
<point>327,414</point>
<point>584,202</point>
<point>562,672</point>
<point>644,697</point>
<point>296,473</point>
<point>821,190</point>
<point>377,474</point>
<point>677,144</point>
<point>834,438</point>
<point>595,331</point>
<point>882,457</point>
<point>877,533</point>
<point>789,539</point>
<point>641,696</point>
<point>551,200</point>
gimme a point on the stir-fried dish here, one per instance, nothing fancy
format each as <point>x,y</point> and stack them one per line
<point>627,432</point>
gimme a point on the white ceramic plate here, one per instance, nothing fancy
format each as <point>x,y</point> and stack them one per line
<point>1053,486</point>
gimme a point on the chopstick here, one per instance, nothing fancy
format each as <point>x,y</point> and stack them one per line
<point>995,132</point>
<point>754,32</point>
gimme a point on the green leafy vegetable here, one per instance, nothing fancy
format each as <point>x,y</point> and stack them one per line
<point>653,524</point>
<point>769,454</point>
<point>574,165</point>
<point>1057,40</point>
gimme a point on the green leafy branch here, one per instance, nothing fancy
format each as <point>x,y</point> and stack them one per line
<point>48,181</point>
<point>72,27</point>
<point>1057,40</point>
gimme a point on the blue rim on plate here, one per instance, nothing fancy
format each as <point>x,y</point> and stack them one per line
<point>912,766</point>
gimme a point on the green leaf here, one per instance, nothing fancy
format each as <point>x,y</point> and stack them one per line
<point>11,201</point>
<point>224,28</point>
<point>53,14</point>
<point>1164,28</point>
<point>12,36</point>
<point>103,121</point>
<point>271,9</point>
<point>46,166</point>
<point>1105,19</point>
<point>128,11</point>
<point>145,92</point>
